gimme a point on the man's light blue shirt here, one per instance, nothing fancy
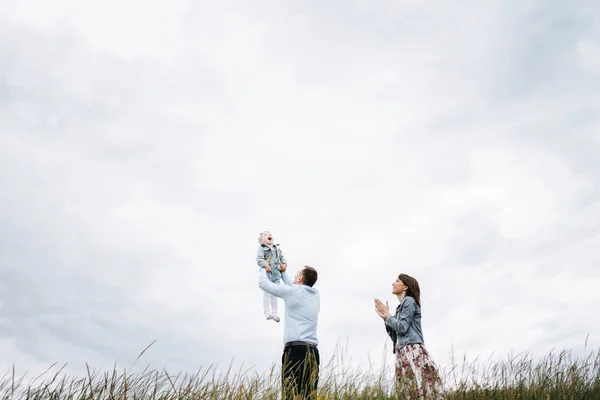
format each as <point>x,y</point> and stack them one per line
<point>302,306</point>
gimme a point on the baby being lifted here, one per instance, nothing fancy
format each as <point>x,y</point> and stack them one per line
<point>270,257</point>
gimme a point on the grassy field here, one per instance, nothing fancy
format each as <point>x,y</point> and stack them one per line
<point>555,376</point>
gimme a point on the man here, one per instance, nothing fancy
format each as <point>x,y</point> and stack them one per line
<point>300,360</point>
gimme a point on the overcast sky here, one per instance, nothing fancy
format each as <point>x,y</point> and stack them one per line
<point>145,144</point>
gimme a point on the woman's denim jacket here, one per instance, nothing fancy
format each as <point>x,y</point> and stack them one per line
<point>405,326</point>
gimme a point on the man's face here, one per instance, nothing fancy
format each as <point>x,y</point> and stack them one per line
<point>299,277</point>
<point>266,238</point>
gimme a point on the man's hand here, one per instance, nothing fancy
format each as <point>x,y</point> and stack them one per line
<point>283,267</point>
<point>268,266</point>
<point>383,310</point>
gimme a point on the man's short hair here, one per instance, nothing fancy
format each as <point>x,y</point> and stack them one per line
<point>310,275</point>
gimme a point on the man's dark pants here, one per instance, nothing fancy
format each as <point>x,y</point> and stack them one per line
<point>300,370</point>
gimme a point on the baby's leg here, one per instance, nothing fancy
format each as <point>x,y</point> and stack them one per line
<point>274,304</point>
<point>267,298</point>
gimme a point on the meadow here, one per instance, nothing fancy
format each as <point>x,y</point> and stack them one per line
<point>555,376</point>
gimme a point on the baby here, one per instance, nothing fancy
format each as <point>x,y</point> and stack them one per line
<point>270,257</point>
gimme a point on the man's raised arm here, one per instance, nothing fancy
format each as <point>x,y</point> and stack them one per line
<point>286,278</point>
<point>277,290</point>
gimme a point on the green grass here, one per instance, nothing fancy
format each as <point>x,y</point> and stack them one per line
<point>555,376</point>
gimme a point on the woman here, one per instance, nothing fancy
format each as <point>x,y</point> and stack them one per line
<point>415,370</point>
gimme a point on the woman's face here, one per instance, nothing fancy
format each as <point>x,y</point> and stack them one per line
<point>398,287</point>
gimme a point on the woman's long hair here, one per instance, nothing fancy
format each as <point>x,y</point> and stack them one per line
<point>413,287</point>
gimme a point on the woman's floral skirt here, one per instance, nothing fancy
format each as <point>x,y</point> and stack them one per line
<point>417,374</point>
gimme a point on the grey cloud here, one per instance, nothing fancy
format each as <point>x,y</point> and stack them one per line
<point>44,300</point>
<point>541,58</point>
<point>65,290</point>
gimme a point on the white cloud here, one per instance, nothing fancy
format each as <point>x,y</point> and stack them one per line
<point>144,146</point>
